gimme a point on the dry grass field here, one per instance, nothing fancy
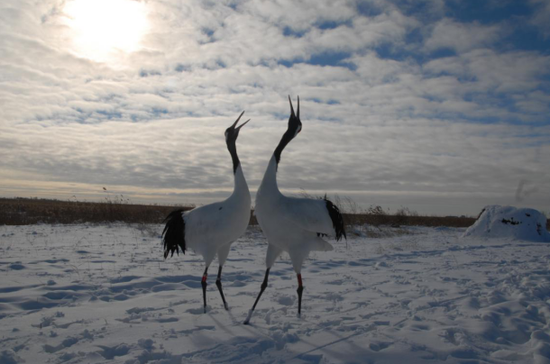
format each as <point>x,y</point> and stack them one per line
<point>28,211</point>
<point>25,211</point>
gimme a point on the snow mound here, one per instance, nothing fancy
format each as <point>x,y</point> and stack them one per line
<point>510,222</point>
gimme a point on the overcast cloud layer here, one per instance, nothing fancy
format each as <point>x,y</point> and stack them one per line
<point>437,106</point>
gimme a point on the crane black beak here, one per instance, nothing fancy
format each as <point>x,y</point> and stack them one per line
<point>292,109</point>
<point>243,124</point>
<point>236,121</point>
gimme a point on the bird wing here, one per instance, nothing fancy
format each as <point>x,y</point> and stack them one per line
<point>308,214</point>
<point>204,223</point>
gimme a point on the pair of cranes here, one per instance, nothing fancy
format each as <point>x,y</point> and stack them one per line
<point>293,225</point>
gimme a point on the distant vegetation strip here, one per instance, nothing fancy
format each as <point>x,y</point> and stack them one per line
<point>25,211</point>
<point>28,211</point>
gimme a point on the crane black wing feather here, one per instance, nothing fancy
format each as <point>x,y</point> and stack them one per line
<point>319,216</point>
<point>337,219</point>
<point>173,235</point>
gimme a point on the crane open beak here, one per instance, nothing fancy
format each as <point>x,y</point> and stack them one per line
<point>292,109</point>
<point>243,124</point>
<point>236,121</point>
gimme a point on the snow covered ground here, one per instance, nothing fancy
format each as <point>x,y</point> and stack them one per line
<point>103,293</point>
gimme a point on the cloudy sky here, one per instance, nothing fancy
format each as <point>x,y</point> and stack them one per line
<point>438,106</point>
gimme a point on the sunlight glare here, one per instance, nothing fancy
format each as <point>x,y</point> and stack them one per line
<point>102,28</point>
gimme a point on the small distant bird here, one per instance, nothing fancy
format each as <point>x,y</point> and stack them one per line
<point>211,229</point>
<point>293,225</point>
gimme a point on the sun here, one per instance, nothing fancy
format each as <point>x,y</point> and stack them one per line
<point>101,30</point>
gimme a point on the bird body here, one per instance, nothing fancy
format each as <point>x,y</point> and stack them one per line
<point>290,224</point>
<point>210,230</point>
<point>293,225</point>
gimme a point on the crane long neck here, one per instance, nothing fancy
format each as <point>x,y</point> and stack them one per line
<point>240,181</point>
<point>270,177</point>
<point>234,157</point>
<point>269,182</point>
<point>287,137</point>
<point>269,186</point>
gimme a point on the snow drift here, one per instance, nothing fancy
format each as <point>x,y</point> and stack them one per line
<point>510,222</point>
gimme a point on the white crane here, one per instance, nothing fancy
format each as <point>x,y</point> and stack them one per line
<point>293,225</point>
<point>210,229</point>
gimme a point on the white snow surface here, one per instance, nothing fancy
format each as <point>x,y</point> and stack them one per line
<point>507,221</point>
<point>104,294</point>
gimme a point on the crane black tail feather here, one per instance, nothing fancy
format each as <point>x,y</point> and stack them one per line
<point>173,235</point>
<point>337,219</point>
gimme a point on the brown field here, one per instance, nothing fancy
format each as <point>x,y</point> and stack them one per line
<point>28,211</point>
<point>24,211</point>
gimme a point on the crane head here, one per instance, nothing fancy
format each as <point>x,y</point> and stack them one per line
<point>232,132</point>
<point>294,127</point>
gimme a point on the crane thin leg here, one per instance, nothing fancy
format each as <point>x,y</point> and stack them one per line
<point>204,284</point>
<point>219,285</point>
<point>262,289</point>
<point>300,290</point>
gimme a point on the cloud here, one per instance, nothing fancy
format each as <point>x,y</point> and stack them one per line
<point>461,37</point>
<point>388,118</point>
<point>541,14</point>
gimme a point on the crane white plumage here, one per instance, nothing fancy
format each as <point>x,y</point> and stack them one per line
<point>293,225</point>
<point>211,229</point>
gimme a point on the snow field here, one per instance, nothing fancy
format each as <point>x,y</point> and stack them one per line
<point>104,293</point>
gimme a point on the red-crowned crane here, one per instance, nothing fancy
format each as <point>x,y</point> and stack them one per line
<point>293,225</point>
<point>210,229</point>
